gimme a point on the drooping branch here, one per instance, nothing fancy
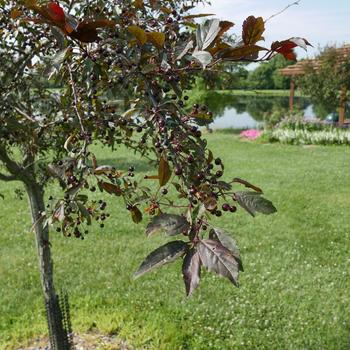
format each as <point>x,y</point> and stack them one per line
<point>16,171</point>
<point>6,178</point>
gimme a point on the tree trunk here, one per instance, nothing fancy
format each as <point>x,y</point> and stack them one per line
<point>58,337</point>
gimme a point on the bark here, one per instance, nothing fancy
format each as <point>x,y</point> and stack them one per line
<point>58,336</point>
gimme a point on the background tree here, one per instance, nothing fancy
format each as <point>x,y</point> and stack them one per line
<point>97,51</point>
<point>324,82</point>
<point>266,75</point>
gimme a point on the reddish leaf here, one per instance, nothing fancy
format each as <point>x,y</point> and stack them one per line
<point>228,242</point>
<point>172,224</point>
<point>86,31</point>
<point>191,271</point>
<point>15,13</point>
<point>138,4</point>
<point>164,172</point>
<point>247,184</point>
<point>253,28</point>
<point>55,12</point>
<point>210,203</point>
<point>216,258</point>
<point>151,177</point>
<point>198,16</point>
<point>110,188</point>
<point>139,34</point>
<point>224,27</point>
<point>165,254</point>
<point>136,215</point>
<point>253,202</point>
<point>243,52</point>
<point>166,10</point>
<point>156,38</point>
<point>286,47</point>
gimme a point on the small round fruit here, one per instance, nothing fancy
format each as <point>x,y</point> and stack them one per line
<point>233,209</point>
<point>219,173</point>
<point>164,191</point>
<point>178,171</point>
<point>226,207</point>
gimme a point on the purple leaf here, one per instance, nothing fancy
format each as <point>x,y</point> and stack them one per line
<point>163,255</point>
<point>191,270</point>
<point>216,258</point>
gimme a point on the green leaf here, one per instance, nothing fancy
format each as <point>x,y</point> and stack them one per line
<point>216,258</point>
<point>172,224</point>
<point>253,202</point>
<point>161,256</point>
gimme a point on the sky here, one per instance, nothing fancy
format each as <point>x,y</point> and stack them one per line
<point>322,22</point>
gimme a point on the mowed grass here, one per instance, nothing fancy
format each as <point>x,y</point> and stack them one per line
<point>294,294</point>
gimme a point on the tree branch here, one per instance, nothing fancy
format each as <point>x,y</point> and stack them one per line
<point>13,168</point>
<point>285,9</point>
<point>24,114</point>
<point>4,177</point>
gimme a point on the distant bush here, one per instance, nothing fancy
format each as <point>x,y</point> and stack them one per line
<point>304,137</point>
<point>295,130</point>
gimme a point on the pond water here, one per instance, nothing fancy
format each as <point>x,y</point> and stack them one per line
<point>245,112</point>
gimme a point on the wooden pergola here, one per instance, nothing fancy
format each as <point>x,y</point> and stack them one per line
<point>300,68</point>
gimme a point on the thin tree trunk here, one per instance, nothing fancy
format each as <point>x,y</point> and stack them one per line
<point>58,336</point>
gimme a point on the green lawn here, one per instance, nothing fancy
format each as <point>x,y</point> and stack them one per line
<point>294,292</point>
<point>259,92</point>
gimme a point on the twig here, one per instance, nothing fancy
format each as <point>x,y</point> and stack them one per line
<point>25,114</point>
<point>285,9</point>
<point>75,99</point>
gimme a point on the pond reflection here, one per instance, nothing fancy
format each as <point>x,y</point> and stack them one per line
<point>242,112</point>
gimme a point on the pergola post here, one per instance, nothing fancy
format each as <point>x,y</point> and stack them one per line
<point>291,94</point>
<point>342,106</point>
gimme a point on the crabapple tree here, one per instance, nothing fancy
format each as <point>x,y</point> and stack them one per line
<point>143,52</point>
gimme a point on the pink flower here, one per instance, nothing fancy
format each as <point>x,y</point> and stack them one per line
<point>250,134</point>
